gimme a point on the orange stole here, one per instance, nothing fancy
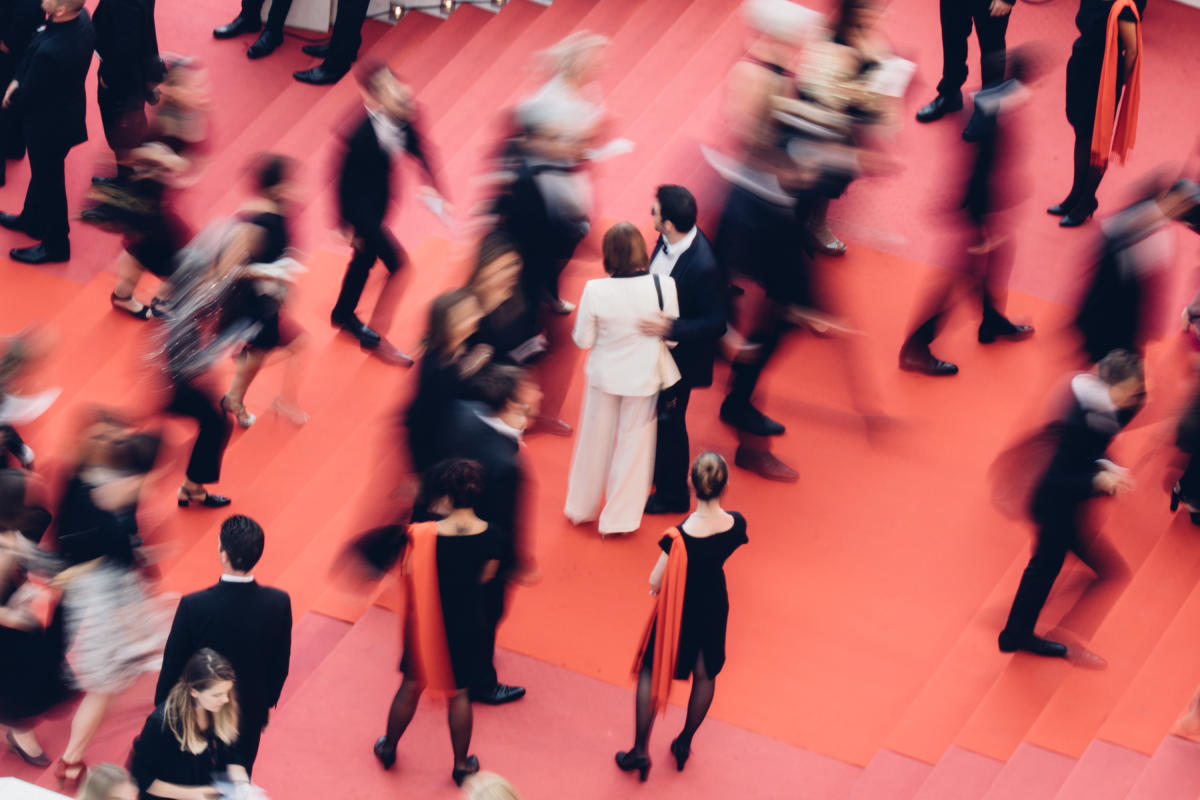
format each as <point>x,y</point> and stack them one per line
<point>1124,117</point>
<point>426,632</point>
<point>665,621</point>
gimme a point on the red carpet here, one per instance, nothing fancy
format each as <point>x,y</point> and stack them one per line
<point>865,608</point>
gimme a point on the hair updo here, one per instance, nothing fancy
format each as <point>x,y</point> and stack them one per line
<point>709,475</point>
<point>459,479</point>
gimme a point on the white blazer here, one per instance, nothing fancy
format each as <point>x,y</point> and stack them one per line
<point>623,361</point>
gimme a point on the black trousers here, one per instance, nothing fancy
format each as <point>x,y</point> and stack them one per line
<point>252,10</point>
<point>347,34</point>
<point>958,16</point>
<point>44,215</point>
<point>374,244</point>
<point>495,595</point>
<point>672,448</point>
<point>123,114</point>
<point>187,400</point>
<point>767,334</point>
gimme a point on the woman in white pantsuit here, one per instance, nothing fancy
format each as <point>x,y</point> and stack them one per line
<point>613,461</point>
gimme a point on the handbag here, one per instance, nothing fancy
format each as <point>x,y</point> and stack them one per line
<point>668,370</point>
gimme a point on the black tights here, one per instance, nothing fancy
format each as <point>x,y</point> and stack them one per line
<point>1085,178</point>
<point>698,702</point>
<point>458,713</point>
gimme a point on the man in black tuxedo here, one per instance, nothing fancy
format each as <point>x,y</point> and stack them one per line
<point>49,94</point>
<point>19,21</point>
<point>249,624</point>
<point>249,20</point>
<point>684,253</point>
<point>990,18</point>
<point>1102,404</point>
<point>130,68</point>
<point>342,48</point>
<point>490,433</point>
<point>387,131</point>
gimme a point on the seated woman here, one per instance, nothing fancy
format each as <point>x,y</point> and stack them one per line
<point>446,644</point>
<point>191,736</point>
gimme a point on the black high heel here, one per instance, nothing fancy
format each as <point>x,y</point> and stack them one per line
<point>681,753</point>
<point>1079,214</point>
<point>387,757</point>
<point>1063,208</point>
<point>1176,497</point>
<point>629,762</point>
<point>460,775</point>
<point>209,500</point>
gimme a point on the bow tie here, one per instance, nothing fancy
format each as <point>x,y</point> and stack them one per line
<point>666,249</point>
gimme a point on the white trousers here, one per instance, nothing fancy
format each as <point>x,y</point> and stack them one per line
<point>613,461</point>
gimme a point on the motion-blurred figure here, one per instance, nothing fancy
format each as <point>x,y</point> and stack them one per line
<point>1101,404</point>
<point>1102,111</point>
<point>993,188</point>
<point>446,565</point>
<point>1124,306</point>
<point>108,782</point>
<point>373,145</point>
<point>19,355</point>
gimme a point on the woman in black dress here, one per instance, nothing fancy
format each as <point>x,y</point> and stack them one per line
<point>446,646</point>
<point>1084,69</point>
<point>448,361</point>
<point>261,290</point>
<point>192,736</point>
<point>691,570</point>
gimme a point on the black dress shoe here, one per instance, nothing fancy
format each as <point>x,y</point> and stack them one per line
<point>939,107</point>
<point>239,26</point>
<point>764,465</point>
<point>355,327</point>
<point>498,695</point>
<point>1032,644</point>
<point>13,222</point>
<point>991,331</point>
<point>385,754</point>
<point>266,43</point>
<point>745,417</point>
<point>389,354</point>
<point>657,504</point>
<point>40,254</point>
<point>923,361</point>
<point>319,75</point>
<point>316,50</point>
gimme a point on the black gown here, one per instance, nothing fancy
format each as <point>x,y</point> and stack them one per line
<point>33,670</point>
<point>705,599</point>
<point>438,386</point>
<point>157,755</point>
<point>1087,60</point>
<point>460,562</point>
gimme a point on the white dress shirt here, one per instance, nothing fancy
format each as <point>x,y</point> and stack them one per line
<point>664,262</point>
<point>389,133</point>
<point>500,425</point>
<point>237,578</point>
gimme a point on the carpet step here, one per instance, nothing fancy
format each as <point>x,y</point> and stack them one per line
<point>959,775</point>
<point>1104,772</point>
<point>890,776</point>
<point>1173,771</point>
<point>1032,773</point>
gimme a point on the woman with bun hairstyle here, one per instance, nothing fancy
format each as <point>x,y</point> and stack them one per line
<point>446,639</point>
<point>686,633</point>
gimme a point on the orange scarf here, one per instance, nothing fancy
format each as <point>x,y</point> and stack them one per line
<point>664,623</point>
<point>1125,117</point>
<point>429,655</point>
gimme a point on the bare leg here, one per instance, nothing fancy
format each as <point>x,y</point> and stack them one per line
<point>460,718</point>
<point>129,272</point>
<point>287,403</point>
<point>27,740</point>
<point>248,365</point>
<point>84,725</point>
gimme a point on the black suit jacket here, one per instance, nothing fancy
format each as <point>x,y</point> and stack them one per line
<point>505,481</point>
<point>365,178</point>
<point>19,20</point>
<point>50,94</point>
<point>702,306</point>
<point>127,43</point>
<point>249,624</point>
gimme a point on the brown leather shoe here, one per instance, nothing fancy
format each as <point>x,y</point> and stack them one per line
<point>765,465</point>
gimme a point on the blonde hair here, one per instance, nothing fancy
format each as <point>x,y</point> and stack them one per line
<point>203,669</point>
<point>101,780</point>
<point>489,786</point>
<point>566,57</point>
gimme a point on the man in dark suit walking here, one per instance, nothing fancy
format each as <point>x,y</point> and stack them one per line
<point>249,624</point>
<point>990,19</point>
<point>49,94</point>
<point>490,433</point>
<point>683,252</point>
<point>130,68</point>
<point>387,131</point>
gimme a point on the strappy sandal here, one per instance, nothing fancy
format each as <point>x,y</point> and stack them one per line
<point>243,417</point>
<point>142,313</point>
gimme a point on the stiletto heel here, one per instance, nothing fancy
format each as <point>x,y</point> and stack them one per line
<point>294,414</point>
<point>386,755</point>
<point>681,753</point>
<point>459,775</point>
<point>238,410</point>
<point>60,773</point>
<point>629,762</point>
<point>1078,215</point>
<point>1176,496</point>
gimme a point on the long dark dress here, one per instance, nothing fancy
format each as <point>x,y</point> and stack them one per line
<point>460,562</point>
<point>1087,59</point>
<point>33,670</point>
<point>157,755</point>
<point>438,386</point>
<point>705,599</point>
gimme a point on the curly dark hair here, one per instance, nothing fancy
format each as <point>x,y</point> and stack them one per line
<point>459,479</point>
